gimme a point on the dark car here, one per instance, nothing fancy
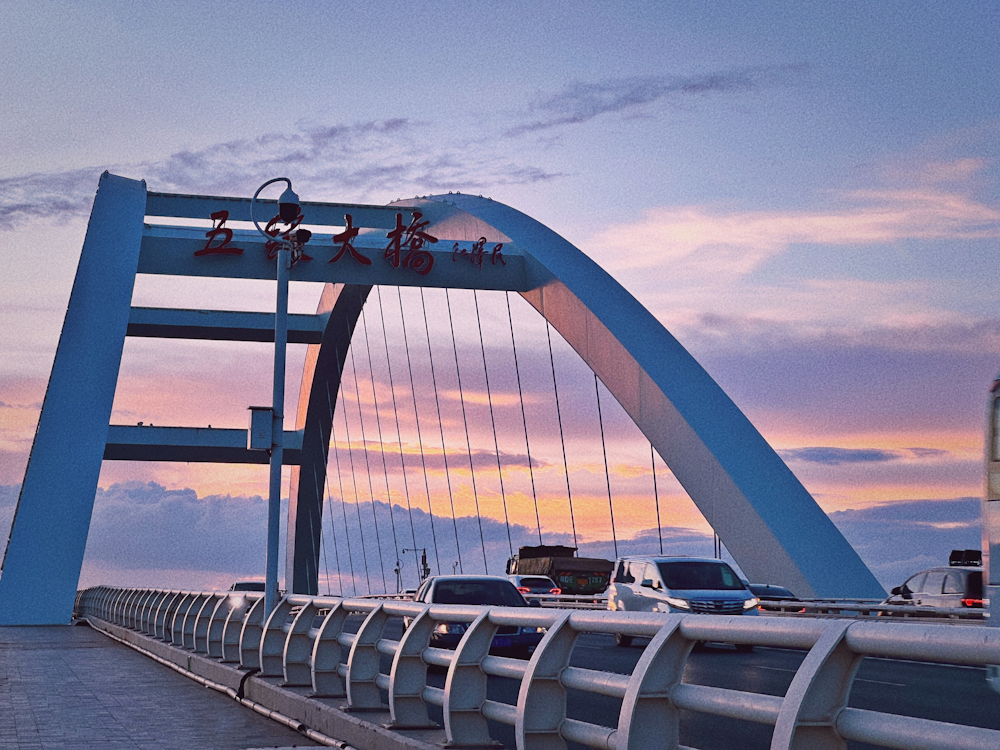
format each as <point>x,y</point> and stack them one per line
<point>490,590</point>
<point>534,584</point>
<point>960,585</point>
<point>768,593</point>
<point>247,586</point>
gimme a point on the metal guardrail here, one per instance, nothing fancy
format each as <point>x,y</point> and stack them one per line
<point>804,607</point>
<point>303,641</point>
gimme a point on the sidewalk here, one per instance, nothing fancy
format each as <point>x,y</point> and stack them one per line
<point>71,687</point>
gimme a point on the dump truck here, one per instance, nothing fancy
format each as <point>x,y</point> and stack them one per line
<point>585,576</point>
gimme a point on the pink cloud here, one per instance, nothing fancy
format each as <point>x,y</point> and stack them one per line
<point>741,240</point>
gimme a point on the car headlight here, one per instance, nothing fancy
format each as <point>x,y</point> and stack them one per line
<point>455,628</point>
<point>677,603</point>
<point>751,603</point>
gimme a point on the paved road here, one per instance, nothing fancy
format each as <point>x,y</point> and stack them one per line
<point>943,693</point>
<point>65,687</point>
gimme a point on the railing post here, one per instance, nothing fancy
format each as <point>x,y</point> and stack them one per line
<point>327,681</point>
<point>217,624</point>
<point>250,635</point>
<point>648,718</point>
<point>819,690</point>
<point>541,701</point>
<point>135,608</point>
<point>203,622</point>
<point>191,619</point>
<point>233,629</point>
<point>146,611</point>
<point>408,675</point>
<point>465,686</point>
<point>121,600</point>
<point>297,653</point>
<point>272,640</point>
<point>177,620</point>
<point>165,613</point>
<point>363,663</point>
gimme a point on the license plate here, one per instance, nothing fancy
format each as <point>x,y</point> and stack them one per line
<point>501,643</point>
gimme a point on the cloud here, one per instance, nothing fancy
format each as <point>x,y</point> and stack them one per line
<point>707,241</point>
<point>901,538</point>
<point>580,102</point>
<point>378,160</point>
<point>838,456</point>
<point>143,534</point>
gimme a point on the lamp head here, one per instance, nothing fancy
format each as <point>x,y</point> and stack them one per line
<point>288,205</point>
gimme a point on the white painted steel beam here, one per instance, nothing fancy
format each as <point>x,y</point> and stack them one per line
<point>768,521</point>
<point>191,444</point>
<point>221,325</point>
<point>44,554</point>
<point>171,250</point>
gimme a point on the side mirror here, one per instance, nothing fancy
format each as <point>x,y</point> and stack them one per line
<point>647,583</point>
<point>534,603</point>
<point>897,591</point>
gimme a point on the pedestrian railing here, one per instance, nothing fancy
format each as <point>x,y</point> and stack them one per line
<point>305,642</point>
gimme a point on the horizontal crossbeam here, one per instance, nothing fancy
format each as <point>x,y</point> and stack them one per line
<point>196,444</point>
<point>221,325</point>
<point>171,250</point>
<point>202,206</point>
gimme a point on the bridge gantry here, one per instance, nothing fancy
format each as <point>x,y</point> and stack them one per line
<point>768,521</point>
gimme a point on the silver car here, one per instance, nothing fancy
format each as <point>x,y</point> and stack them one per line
<point>699,585</point>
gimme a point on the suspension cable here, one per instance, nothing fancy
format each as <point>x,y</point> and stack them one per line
<point>333,531</point>
<point>399,433</point>
<point>340,481</point>
<point>465,421</point>
<point>420,440</point>
<point>656,496</point>
<point>524,420</point>
<point>562,437</point>
<point>357,497</point>
<point>381,445</point>
<point>322,534</point>
<point>607,473</point>
<point>368,470</point>
<point>444,449</point>
<point>496,444</point>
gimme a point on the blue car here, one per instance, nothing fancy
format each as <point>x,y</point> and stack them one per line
<point>490,590</point>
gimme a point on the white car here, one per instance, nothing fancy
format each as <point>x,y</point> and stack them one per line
<point>699,585</point>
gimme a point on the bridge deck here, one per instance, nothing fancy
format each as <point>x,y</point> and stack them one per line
<point>71,687</point>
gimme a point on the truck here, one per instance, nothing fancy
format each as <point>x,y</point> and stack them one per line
<point>584,576</point>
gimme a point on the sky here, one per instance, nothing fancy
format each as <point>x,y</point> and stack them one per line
<point>807,196</point>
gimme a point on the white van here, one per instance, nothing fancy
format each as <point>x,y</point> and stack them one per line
<point>699,585</point>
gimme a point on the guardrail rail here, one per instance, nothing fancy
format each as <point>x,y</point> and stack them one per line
<point>304,638</point>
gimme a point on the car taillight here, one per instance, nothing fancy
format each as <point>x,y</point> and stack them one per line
<point>972,602</point>
<point>523,589</point>
<point>555,591</point>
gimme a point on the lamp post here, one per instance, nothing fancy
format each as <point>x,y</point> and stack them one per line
<point>289,246</point>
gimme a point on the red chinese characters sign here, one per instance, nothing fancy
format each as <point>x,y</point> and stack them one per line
<point>478,253</point>
<point>406,249</point>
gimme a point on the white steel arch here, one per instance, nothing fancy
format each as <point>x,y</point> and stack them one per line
<point>768,521</point>
<point>764,515</point>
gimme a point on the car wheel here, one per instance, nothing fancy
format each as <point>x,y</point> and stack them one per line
<point>623,640</point>
<point>745,648</point>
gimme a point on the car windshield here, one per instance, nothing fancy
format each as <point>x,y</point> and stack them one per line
<point>699,574</point>
<point>500,593</point>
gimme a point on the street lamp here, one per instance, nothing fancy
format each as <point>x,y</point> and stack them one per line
<point>289,248</point>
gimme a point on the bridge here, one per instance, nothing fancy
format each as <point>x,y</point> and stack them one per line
<point>332,667</point>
